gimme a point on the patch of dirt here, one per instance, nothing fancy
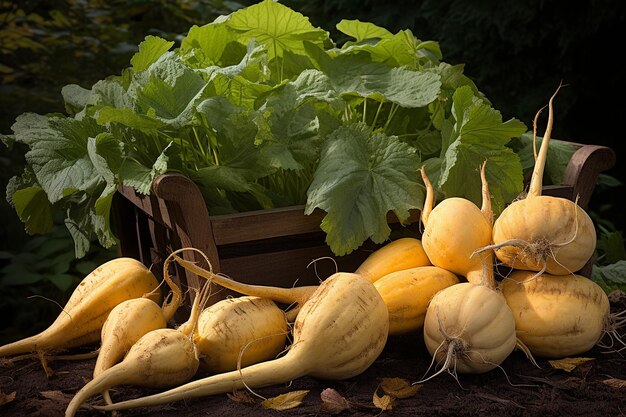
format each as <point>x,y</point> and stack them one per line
<point>518,389</point>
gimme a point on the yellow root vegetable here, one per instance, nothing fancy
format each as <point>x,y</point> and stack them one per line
<point>338,334</point>
<point>80,323</point>
<point>544,233</point>
<point>162,357</point>
<point>126,324</point>
<point>556,316</point>
<point>403,253</point>
<point>455,229</point>
<point>407,294</point>
<point>238,332</point>
<point>129,321</point>
<point>469,328</point>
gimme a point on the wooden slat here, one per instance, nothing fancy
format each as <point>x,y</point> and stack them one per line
<point>289,267</point>
<point>262,224</point>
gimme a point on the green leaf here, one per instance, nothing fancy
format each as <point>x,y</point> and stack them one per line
<point>150,50</point>
<point>34,209</point>
<point>75,98</point>
<point>205,46</point>
<point>101,220</point>
<point>168,91</point>
<point>58,152</point>
<point>479,134</point>
<point>105,152</point>
<point>401,49</point>
<point>356,74</point>
<point>129,118</point>
<point>362,30</point>
<point>240,161</point>
<point>109,93</point>
<point>610,277</point>
<point>276,26</point>
<point>360,178</point>
<point>139,176</point>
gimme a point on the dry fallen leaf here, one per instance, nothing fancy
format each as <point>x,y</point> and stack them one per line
<point>615,382</point>
<point>242,397</point>
<point>57,396</point>
<point>399,387</point>
<point>568,364</point>
<point>385,403</point>
<point>285,401</point>
<point>333,402</point>
<point>6,398</point>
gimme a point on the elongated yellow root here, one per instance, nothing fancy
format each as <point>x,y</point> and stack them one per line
<point>80,323</point>
<point>338,334</point>
<point>400,254</point>
<point>407,294</point>
<point>130,320</point>
<point>160,358</point>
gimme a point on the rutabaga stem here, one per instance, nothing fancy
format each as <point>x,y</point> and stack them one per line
<point>429,199</point>
<point>282,295</point>
<point>259,375</point>
<point>536,180</point>
<point>18,347</point>
<point>486,206</point>
<point>171,305</point>
<point>111,377</point>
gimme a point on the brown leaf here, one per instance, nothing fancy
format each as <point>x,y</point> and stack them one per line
<point>6,398</point>
<point>615,382</point>
<point>242,397</point>
<point>57,396</point>
<point>385,403</point>
<point>399,387</point>
<point>333,402</point>
<point>285,401</point>
<point>568,364</point>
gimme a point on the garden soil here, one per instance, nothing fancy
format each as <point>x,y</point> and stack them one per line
<point>595,387</point>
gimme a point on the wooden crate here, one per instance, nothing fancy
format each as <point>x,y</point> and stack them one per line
<point>273,247</point>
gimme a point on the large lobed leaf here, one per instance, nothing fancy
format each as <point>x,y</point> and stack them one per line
<point>361,177</point>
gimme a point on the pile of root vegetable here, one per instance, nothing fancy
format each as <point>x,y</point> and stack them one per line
<point>442,286</point>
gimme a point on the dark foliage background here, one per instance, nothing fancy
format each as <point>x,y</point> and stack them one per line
<point>517,52</point>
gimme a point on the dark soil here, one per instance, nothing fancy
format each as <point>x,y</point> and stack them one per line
<point>518,389</point>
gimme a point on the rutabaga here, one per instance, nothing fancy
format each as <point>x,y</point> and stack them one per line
<point>80,323</point>
<point>162,357</point>
<point>556,316</point>
<point>407,294</point>
<point>469,328</point>
<point>455,229</point>
<point>339,333</point>
<point>240,331</point>
<point>544,233</point>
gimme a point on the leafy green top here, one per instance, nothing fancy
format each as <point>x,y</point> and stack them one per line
<point>261,109</point>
